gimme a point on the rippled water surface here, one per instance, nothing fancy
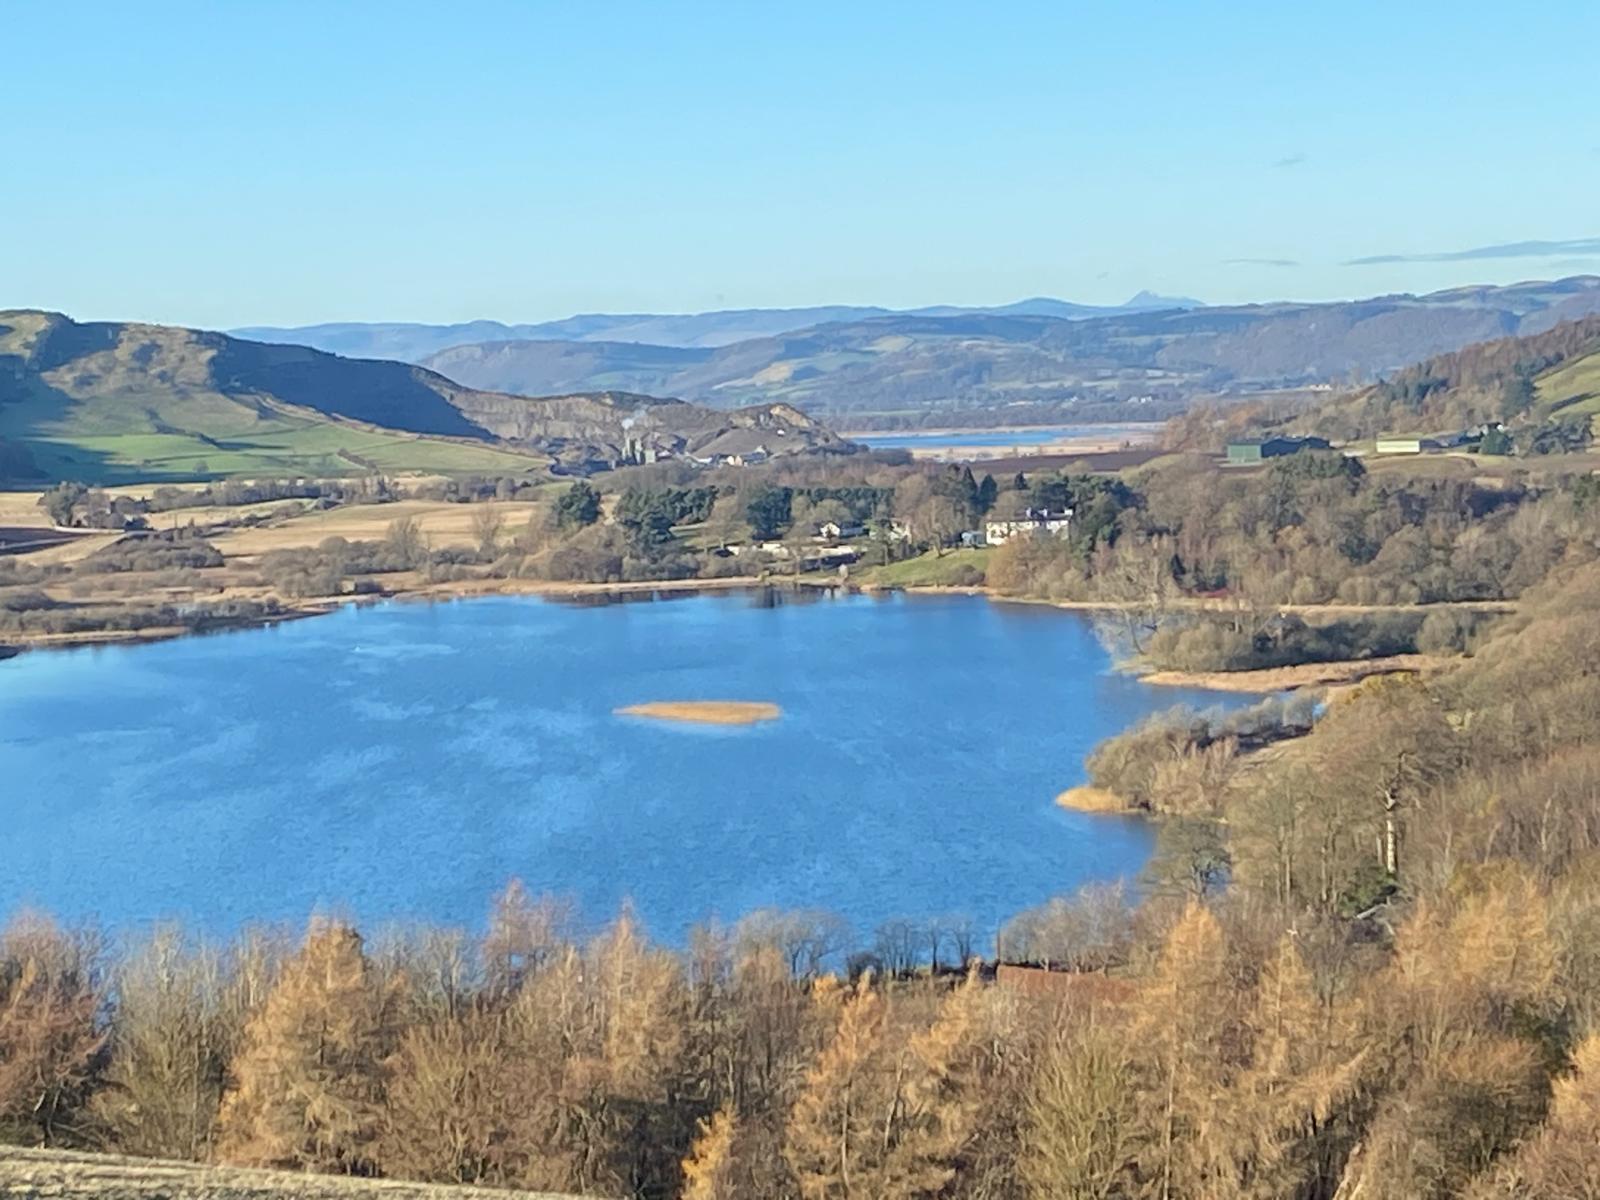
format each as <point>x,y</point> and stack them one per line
<point>405,760</point>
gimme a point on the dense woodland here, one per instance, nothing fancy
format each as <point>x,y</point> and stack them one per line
<point>1309,529</point>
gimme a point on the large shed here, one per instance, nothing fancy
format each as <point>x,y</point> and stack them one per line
<point>1253,450</point>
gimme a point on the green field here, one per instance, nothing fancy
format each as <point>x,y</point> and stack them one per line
<point>317,450</point>
<point>134,434</point>
<point>1571,390</point>
<point>107,404</point>
<point>106,441</point>
<point>952,568</point>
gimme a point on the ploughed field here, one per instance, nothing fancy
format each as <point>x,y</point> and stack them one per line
<point>404,761</point>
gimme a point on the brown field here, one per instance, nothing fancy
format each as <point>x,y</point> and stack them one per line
<point>69,548</point>
<point>442,523</point>
<point>22,508</point>
<point>705,712</point>
<point>71,1175</point>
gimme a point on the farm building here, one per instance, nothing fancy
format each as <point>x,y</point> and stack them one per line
<point>1405,443</point>
<point>1253,450</point>
<point>1416,443</point>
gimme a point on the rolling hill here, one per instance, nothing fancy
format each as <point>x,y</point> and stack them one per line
<point>932,369</point>
<point>103,402</point>
<point>1544,388</point>
<point>1534,380</point>
<point>413,342</point>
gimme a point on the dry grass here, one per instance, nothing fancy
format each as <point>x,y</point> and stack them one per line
<point>705,712</point>
<point>71,1174</point>
<point>1284,679</point>
<point>22,508</point>
<point>1093,800</point>
<point>441,522</point>
<point>78,547</point>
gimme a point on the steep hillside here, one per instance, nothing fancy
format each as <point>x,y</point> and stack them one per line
<point>414,342</point>
<point>507,366</point>
<point>1531,380</point>
<point>1544,388</point>
<point>928,368</point>
<point>104,402</point>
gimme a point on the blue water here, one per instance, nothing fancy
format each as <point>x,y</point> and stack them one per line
<point>406,760</point>
<point>1003,438</point>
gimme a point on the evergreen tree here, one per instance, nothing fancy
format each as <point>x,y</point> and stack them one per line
<point>578,506</point>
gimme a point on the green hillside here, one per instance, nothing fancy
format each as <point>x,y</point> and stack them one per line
<point>110,403</point>
<point>106,403</point>
<point>1527,382</point>
<point>1572,389</point>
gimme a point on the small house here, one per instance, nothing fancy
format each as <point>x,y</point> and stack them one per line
<point>835,530</point>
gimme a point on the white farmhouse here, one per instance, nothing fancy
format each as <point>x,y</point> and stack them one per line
<point>1056,523</point>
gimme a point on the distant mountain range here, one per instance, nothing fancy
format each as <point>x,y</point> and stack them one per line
<point>414,343</point>
<point>101,402</point>
<point>1035,360</point>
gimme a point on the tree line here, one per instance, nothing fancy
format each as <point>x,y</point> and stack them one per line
<point>1310,529</point>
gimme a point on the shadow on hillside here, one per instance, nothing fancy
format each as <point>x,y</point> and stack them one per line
<point>391,394</point>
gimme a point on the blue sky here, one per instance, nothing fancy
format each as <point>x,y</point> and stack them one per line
<point>236,163</point>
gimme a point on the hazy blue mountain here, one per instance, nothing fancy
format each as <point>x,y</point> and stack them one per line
<point>913,367</point>
<point>414,342</point>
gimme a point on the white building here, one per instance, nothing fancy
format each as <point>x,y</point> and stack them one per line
<point>835,530</point>
<point>1056,523</point>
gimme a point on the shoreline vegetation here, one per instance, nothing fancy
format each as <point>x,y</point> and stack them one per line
<point>704,712</point>
<point>1337,673</point>
<point>1088,799</point>
<point>1331,673</point>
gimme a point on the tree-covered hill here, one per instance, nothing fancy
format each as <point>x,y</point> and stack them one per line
<point>1547,376</point>
<point>1542,388</point>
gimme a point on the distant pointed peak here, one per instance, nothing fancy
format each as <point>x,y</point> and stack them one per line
<point>1149,299</point>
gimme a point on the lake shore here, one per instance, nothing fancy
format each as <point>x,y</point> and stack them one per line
<point>1273,679</point>
<point>1087,799</point>
<point>994,443</point>
<point>1339,673</point>
<point>1148,427</point>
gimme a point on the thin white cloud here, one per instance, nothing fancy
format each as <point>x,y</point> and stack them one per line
<point>1584,247</point>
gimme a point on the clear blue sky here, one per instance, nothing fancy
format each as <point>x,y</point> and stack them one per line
<point>230,163</point>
